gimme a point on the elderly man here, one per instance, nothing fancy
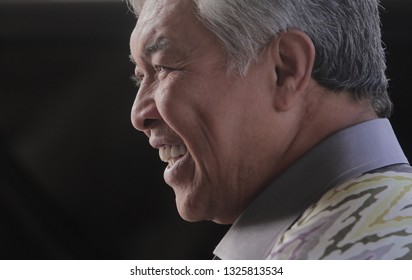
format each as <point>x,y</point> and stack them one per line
<point>271,116</point>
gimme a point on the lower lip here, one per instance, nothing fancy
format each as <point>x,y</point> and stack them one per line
<point>173,174</point>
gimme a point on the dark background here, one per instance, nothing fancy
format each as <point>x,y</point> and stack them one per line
<point>76,180</point>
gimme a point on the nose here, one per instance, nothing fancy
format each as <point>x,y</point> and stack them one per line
<point>144,114</point>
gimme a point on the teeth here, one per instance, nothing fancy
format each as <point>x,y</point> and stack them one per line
<point>174,151</point>
<point>170,153</point>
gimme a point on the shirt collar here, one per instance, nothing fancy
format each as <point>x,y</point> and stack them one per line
<point>346,154</point>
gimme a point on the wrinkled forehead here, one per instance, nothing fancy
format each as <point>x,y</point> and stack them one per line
<point>165,25</point>
<point>165,12</point>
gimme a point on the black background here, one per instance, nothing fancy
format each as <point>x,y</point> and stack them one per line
<point>76,180</point>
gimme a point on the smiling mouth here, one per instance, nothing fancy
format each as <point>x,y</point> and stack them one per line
<point>171,154</point>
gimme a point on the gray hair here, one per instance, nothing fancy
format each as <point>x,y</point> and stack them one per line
<point>346,35</point>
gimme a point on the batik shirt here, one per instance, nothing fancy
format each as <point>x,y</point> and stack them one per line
<point>349,197</point>
<point>369,217</point>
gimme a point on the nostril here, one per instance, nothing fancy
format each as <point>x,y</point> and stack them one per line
<point>147,123</point>
<point>144,112</point>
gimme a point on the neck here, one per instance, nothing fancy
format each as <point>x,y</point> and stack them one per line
<point>325,112</point>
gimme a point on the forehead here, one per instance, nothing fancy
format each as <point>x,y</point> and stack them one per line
<point>165,24</point>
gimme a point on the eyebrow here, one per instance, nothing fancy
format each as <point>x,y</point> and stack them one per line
<point>158,45</point>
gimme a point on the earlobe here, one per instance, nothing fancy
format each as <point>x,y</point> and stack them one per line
<point>293,53</point>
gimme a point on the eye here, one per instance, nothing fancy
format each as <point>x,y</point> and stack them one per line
<point>162,70</point>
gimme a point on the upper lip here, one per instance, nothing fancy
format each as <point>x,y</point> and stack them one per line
<point>158,142</point>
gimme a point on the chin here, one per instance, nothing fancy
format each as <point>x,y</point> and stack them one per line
<point>197,214</point>
<point>199,206</point>
<point>190,215</point>
<point>192,211</point>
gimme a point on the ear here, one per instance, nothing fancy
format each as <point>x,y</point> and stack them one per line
<point>293,54</point>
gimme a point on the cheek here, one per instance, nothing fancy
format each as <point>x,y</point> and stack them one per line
<point>182,104</point>
<point>204,116</point>
<point>177,112</point>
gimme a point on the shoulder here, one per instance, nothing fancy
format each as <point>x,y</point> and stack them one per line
<point>369,217</point>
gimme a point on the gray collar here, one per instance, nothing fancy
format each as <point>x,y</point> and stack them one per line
<point>344,155</point>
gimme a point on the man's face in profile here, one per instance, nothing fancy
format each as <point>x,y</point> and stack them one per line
<point>211,127</point>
